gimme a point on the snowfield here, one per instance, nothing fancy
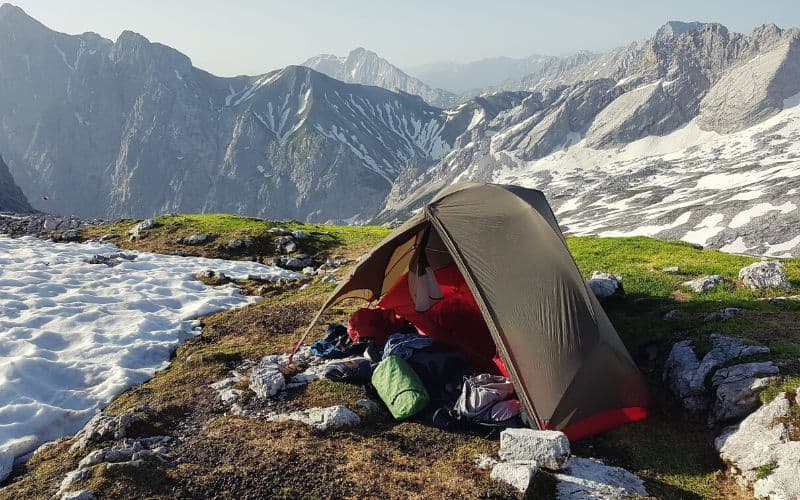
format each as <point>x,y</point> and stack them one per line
<point>74,335</point>
<point>737,192</point>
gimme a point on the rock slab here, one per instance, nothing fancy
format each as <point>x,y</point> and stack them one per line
<point>586,478</point>
<point>760,452</point>
<point>547,449</point>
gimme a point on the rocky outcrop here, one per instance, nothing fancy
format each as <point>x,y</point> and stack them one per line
<point>647,110</point>
<point>728,391</point>
<point>736,389</point>
<point>761,452</point>
<point>42,224</point>
<point>753,91</point>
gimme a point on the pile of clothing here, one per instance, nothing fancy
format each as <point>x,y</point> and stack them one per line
<point>413,375</point>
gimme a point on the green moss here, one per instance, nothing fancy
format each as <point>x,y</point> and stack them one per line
<point>766,470</point>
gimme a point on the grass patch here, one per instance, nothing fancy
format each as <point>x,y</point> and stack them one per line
<point>324,239</point>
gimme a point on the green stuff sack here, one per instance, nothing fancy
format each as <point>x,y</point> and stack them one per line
<point>399,387</point>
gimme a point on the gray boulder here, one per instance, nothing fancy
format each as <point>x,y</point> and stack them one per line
<point>723,349</point>
<point>102,259</point>
<point>299,235</point>
<point>737,388</point>
<point>705,283</point>
<point>299,261</point>
<point>605,285</point>
<point>679,370</point>
<point>196,239</point>
<point>548,449</point>
<point>136,231</point>
<point>238,244</point>
<point>764,274</point>
<point>70,235</point>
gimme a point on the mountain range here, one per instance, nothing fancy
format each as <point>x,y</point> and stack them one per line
<point>689,134</point>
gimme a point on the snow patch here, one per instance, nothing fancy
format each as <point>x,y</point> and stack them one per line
<point>758,210</point>
<point>74,335</point>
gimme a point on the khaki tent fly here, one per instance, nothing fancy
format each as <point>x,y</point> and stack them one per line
<point>568,365</point>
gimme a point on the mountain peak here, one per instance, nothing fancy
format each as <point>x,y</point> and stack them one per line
<point>368,68</point>
<point>18,17</point>
<point>672,29</point>
<point>8,9</point>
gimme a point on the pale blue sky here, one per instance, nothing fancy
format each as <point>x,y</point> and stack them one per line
<point>250,36</point>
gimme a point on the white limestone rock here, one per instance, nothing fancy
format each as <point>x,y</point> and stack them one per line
<point>518,475</point>
<point>705,283</point>
<point>267,379</point>
<point>764,274</point>
<point>761,442</point>
<point>322,419</point>
<point>590,479</point>
<point>484,462</point>
<point>736,389</point>
<point>78,495</point>
<point>605,285</point>
<point>548,449</point>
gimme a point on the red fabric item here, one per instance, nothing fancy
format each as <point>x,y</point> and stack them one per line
<point>602,422</point>
<point>455,320</point>
<point>376,324</point>
<point>501,366</point>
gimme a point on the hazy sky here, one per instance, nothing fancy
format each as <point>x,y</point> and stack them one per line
<point>250,36</point>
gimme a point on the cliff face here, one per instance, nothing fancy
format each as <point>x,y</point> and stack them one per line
<point>11,197</point>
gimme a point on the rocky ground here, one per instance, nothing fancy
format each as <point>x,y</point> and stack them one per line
<point>219,423</point>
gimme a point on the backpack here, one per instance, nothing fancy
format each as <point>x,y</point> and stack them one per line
<point>480,393</point>
<point>399,387</point>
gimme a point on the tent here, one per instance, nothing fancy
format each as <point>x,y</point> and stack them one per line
<point>498,249</point>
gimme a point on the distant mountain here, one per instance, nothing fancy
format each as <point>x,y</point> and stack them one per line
<point>473,76</point>
<point>690,134</point>
<point>11,197</point>
<point>366,67</point>
<point>131,128</point>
